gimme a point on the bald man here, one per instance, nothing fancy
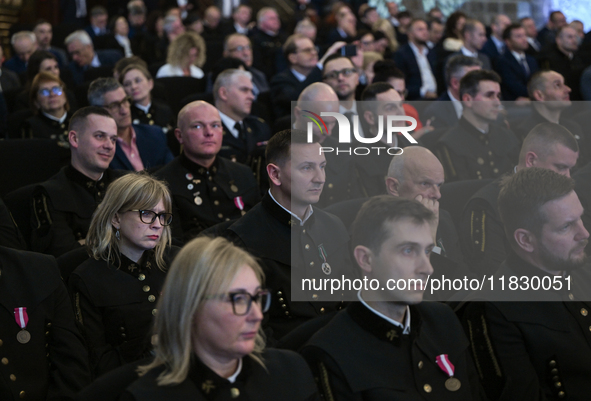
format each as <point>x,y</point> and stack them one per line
<point>482,237</point>
<point>206,189</point>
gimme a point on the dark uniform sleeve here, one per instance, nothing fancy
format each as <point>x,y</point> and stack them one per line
<point>331,381</point>
<point>482,237</point>
<point>69,369</point>
<point>453,170</point>
<point>10,235</point>
<point>103,356</point>
<point>51,229</point>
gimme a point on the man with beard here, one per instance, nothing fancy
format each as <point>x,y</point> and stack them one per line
<point>536,350</point>
<point>417,63</point>
<point>476,148</point>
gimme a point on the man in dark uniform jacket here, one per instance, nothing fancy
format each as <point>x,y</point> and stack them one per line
<point>267,40</point>
<point>476,148</point>
<point>158,113</point>
<point>64,204</point>
<point>536,344</point>
<point>206,189</point>
<point>245,136</point>
<point>10,235</point>
<point>341,183</point>
<point>45,359</point>
<point>482,237</point>
<point>293,240</point>
<point>389,345</point>
<point>550,98</point>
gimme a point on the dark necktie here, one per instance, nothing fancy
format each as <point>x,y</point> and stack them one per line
<point>524,65</point>
<point>238,127</point>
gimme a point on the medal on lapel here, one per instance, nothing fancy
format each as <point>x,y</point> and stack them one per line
<point>22,319</point>
<point>452,384</point>
<point>326,269</point>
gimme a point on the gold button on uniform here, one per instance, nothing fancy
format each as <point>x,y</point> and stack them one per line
<point>216,202</point>
<point>321,310</point>
<point>571,297</point>
<point>22,394</point>
<point>13,378</point>
<point>427,388</point>
<point>311,263</point>
<point>307,246</point>
<point>315,296</point>
<point>420,364</point>
<point>141,277</point>
<point>154,311</point>
<point>584,312</point>
<point>561,394</point>
<point>4,361</point>
<point>1,343</point>
<point>552,363</point>
<point>330,185</point>
<point>151,298</point>
<point>234,392</point>
<point>146,288</point>
<point>220,215</point>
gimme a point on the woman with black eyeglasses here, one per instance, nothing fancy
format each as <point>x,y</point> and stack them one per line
<point>51,110</point>
<point>116,290</point>
<point>210,344</point>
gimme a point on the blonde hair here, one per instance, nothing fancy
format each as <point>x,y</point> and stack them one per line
<point>205,266</point>
<point>180,47</point>
<point>384,26</point>
<point>371,57</point>
<point>132,191</point>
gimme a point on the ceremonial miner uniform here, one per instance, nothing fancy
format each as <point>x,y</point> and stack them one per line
<point>158,114</point>
<point>533,350</point>
<point>285,377</point>
<point>251,142</point>
<point>269,233</point>
<point>63,208</point>
<point>40,126</point>
<point>115,306</point>
<point>361,356</point>
<point>466,153</point>
<point>205,197</point>
<point>45,360</point>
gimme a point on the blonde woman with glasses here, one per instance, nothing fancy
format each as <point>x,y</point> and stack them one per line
<point>210,344</point>
<point>116,290</point>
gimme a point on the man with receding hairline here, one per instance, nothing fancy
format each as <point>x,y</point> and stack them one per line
<point>206,189</point>
<point>549,146</point>
<point>64,204</point>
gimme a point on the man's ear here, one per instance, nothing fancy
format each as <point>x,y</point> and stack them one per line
<point>392,186</point>
<point>177,134</point>
<point>363,256</point>
<point>223,93</point>
<point>525,240</point>
<point>274,172</point>
<point>538,95</point>
<point>530,159</point>
<point>369,117</point>
<point>73,138</point>
<point>292,58</point>
<point>467,100</point>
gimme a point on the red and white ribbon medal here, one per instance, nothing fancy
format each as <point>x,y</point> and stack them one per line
<point>239,202</point>
<point>21,317</point>
<point>452,384</point>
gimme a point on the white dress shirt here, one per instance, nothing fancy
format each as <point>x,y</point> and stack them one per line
<point>427,78</point>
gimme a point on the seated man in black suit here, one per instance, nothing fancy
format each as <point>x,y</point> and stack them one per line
<point>474,35</point>
<point>245,136</point>
<point>238,23</point>
<point>483,241</point>
<point>206,189</point>
<point>267,40</point>
<point>304,69</point>
<point>139,146</point>
<point>98,22</point>
<point>346,29</point>
<point>83,55</point>
<point>447,109</point>
<point>515,66</point>
<point>390,345</point>
<point>417,63</point>
<point>535,344</point>
<point>64,204</point>
<point>238,46</point>
<point>535,47</point>
<point>291,236</point>
<point>495,46</point>
<point>476,147</point>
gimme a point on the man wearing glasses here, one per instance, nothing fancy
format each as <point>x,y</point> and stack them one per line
<point>64,204</point>
<point>139,146</point>
<point>238,46</point>
<point>304,69</point>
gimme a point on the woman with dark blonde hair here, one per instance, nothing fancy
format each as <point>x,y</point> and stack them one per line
<point>50,106</point>
<point>186,54</point>
<point>209,338</point>
<point>116,290</point>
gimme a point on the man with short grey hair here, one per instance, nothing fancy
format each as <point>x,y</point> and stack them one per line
<point>24,44</point>
<point>84,57</point>
<point>139,146</point>
<point>245,135</point>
